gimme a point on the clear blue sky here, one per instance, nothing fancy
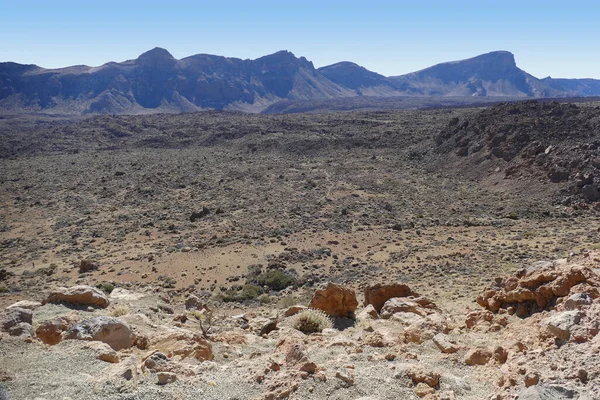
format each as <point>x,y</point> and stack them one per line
<point>557,38</point>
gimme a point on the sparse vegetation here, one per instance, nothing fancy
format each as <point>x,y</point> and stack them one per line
<point>311,321</point>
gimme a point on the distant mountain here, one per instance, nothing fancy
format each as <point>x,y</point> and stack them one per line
<point>157,82</point>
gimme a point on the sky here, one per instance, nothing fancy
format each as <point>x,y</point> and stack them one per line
<point>549,38</point>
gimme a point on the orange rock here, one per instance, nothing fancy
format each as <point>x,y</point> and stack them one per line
<point>378,294</point>
<point>335,300</point>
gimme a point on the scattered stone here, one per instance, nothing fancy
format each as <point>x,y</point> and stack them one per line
<point>126,295</point>
<point>293,310</point>
<point>576,301</point>
<point>335,300</point>
<point>367,313</point>
<point>193,303</point>
<point>79,295</point>
<point>547,392</point>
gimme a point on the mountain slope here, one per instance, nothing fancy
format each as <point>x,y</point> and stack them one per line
<point>491,74</point>
<point>157,81</point>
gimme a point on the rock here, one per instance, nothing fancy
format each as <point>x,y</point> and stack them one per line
<point>180,343</point>
<point>156,361</point>
<point>420,375</point>
<point>126,295</point>
<point>268,327</point>
<point>79,295</point>
<point>500,354</point>
<point>378,294</point>
<point>531,379</point>
<point>443,343</point>
<point>367,313</point>
<point>87,266</point>
<point>560,324</point>
<point>406,305</point>
<point>50,331</point>
<point>335,300</point>
<point>478,356</point>
<point>293,310</point>
<point>193,303</point>
<point>535,288</point>
<point>103,351</point>
<point>476,317</point>
<point>547,392</point>
<point>577,300</point>
<point>109,330</point>
<point>166,377</point>
<point>423,390</point>
<point>590,192</point>
<point>16,321</point>
<point>26,304</point>
<point>426,328</point>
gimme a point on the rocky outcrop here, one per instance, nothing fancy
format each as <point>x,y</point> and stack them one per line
<point>78,295</point>
<point>335,300</point>
<point>538,287</point>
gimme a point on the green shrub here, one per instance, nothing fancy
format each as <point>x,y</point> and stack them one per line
<point>276,280</point>
<point>107,288</point>
<point>4,289</point>
<point>288,301</point>
<point>264,298</point>
<point>311,321</point>
<point>247,292</point>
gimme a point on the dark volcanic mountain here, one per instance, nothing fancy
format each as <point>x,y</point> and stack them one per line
<point>157,82</point>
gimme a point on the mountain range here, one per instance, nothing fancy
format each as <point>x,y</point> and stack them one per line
<point>157,82</point>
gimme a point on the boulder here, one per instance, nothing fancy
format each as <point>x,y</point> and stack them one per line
<point>16,321</point>
<point>26,304</point>
<point>560,324</point>
<point>79,295</point>
<point>109,330</point>
<point>378,294</point>
<point>181,343</point>
<point>50,331</point>
<point>335,300</point>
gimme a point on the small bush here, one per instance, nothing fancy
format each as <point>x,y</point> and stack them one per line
<point>248,292</point>
<point>4,289</point>
<point>288,301</point>
<point>119,311</point>
<point>276,280</point>
<point>107,288</point>
<point>311,321</point>
<point>264,298</point>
